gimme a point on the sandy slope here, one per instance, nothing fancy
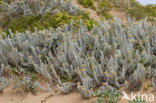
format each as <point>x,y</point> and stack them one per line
<point>17,96</point>
<point>92,13</point>
<point>119,15</point>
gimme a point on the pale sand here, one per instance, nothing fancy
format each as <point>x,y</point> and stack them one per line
<point>92,13</point>
<point>119,15</point>
<point>10,96</point>
<point>16,96</point>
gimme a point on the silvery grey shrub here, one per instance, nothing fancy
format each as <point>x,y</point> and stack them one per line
<point>108,53</point>
<point>31,7</point>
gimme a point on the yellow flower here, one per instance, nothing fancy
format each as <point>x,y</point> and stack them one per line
<point>146,40</point>
<point>106,34</point>
<point>129,51</point>
<point>93,68</point>
<point>110,76</point>
<point>70,36</point>
<point>78,83</point>
<point>131,40</point>
<point>136,23</point>
<point>79,72</point>
<point>91,89</point>
<point>126,82</point>
<point>142,66</point>
<point>114,73</point>
<point>130,35</point>
<point>104,84</point>
<point>29,56</point>
<point>83,88</point>
<point>110,67</point>
<point>140,42</point>
<point>70,48</point>
<point>108,46</point>
<point>33,33</point>
<point>83,69</point>
<point>147,37</point>
<point>112,21</point>
<point>84,64</point>
<point>106,72</point>
<point>143,52</point>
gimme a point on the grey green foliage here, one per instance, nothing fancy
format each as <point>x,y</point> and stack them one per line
<point>32,7</point>
<point>109,53</point>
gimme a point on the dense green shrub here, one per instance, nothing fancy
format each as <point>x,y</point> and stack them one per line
<point>87,3</point>
<point>47,20</point>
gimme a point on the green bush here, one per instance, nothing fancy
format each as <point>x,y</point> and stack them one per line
<point>0,2</point>
<point>87,3</point>
<point>47,20</point>
<point>110,96</point>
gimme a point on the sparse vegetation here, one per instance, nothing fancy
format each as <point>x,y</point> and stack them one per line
<point>131,7</point>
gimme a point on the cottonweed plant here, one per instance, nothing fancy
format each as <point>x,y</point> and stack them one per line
<point>4,82</point>
<point>66,87</point>
<point>31,7</point>
<point>154,79</point>
<point>109,53</point>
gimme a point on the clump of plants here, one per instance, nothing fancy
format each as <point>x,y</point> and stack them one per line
<point>55,14</point>
<point>107,53</point>
<point>104,7</point>
<point>139,11</point>
<point>87,3</point>
<point>46,20</point>
<point>132,8</point>
<point>109,96</point>
<point>72,57</point>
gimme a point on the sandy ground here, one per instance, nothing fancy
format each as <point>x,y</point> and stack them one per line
<point>92,13</point>
<point>10,96</point>
<point>141,92</point>
<point>17,96</point>
<point>150,91</point>
<point>119,15</point>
